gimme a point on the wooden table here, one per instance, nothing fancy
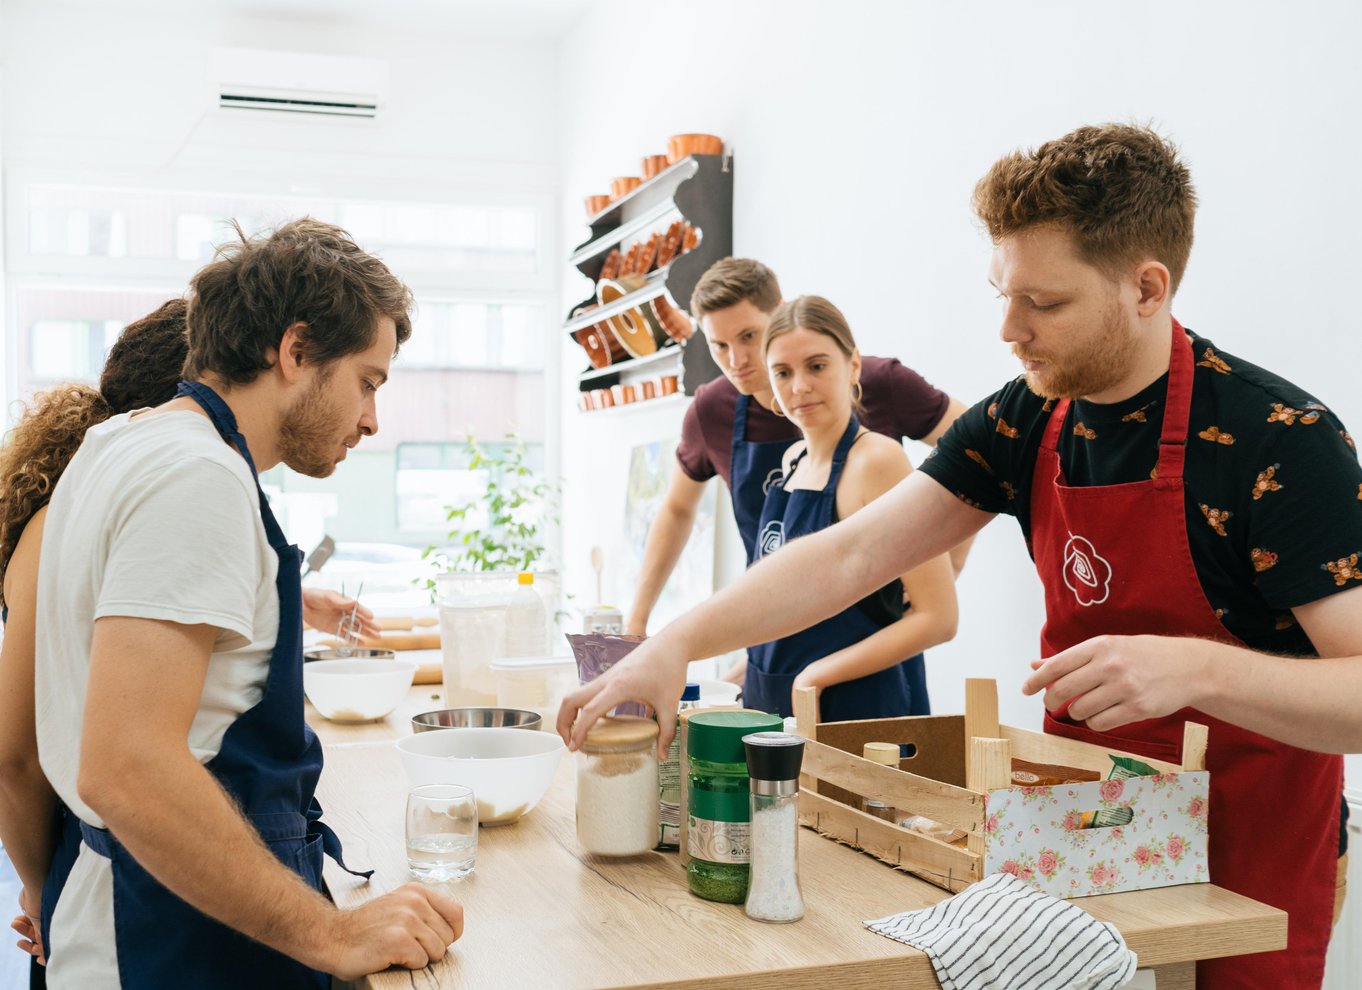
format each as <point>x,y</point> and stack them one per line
<point>541,913</point>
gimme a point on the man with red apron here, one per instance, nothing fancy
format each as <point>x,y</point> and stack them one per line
<point>1272,805</point>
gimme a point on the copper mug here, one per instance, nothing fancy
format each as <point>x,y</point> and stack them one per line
<point>604,398</point>
<point>624,185</point>
<point>669,384</point>
<point>654,164</point>
<point>628,394</point>
<point>650,389</point>
<point>594,204</point>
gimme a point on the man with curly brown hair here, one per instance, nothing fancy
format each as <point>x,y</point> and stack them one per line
<point>169,646</point>
<point>1179,584</point>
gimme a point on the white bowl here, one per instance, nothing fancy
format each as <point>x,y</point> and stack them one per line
<point>509,769</point>
<point>721,692</point>
<point>357,690</point>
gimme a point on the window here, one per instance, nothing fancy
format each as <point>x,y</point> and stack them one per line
<point>86,260</point>
<point>431,476</point>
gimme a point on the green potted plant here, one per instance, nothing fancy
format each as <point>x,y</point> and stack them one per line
<point>506,528</point>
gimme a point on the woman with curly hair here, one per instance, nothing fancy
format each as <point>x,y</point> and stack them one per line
<point>142,370</point>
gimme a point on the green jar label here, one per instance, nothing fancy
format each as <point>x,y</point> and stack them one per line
<point>719,842</point>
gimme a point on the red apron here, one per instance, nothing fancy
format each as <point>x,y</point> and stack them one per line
<point>1274,808</point>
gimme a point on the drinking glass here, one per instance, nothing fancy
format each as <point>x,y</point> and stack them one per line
<point>442,831</point>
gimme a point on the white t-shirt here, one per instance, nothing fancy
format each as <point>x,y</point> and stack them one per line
<point>155,517</point>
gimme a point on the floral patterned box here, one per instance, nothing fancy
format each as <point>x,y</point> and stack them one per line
<point>957,771</point>
<point>1035,834</point>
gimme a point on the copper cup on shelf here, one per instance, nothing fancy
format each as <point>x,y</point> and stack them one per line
<point>624,185</point>
<point>681,145</point>
<point>604,398</point>
<point>588,401</point>
<point>669,384</point>
<point>594,204</point>
<point>628,394</point>
<point>653,164</point>
<point>649,389</point>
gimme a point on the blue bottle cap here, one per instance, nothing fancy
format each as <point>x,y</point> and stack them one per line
<point>692,692</point>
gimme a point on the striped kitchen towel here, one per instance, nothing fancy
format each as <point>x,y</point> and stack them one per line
<point>1003,934</point>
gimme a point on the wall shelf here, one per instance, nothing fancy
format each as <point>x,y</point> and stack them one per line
<point>699,190</point>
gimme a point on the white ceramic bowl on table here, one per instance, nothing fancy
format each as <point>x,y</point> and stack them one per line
<point>357,690</point>
<point>509,769</point>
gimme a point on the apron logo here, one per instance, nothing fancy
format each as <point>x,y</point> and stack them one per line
<point>772,536</point>
<point>772,479</point>
<point>1087,573</point>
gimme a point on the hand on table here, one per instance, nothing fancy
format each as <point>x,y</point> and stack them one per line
<point>650,673</point>
<point>411,927</point>
<point>1110,681</point>
<point>323,610</point>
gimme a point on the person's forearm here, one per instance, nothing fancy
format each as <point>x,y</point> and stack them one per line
<point>959,553</point>
<point>915,632</point>
<point>167,811</point>
<point>1306,702</point>
<point>667,538</point>
<point>817,576</point>
<point>28,810</point>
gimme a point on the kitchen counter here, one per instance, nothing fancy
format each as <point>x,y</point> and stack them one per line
<point>541,913</point>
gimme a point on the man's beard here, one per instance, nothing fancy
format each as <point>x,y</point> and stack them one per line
<point>308,434</point>
<point>1098,364</point>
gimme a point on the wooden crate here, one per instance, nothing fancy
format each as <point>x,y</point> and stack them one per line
<point>959,761</point>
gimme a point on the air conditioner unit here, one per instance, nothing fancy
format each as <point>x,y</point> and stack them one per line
<point>257,79</point>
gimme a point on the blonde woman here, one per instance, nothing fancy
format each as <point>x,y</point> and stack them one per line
<point>866,660</point>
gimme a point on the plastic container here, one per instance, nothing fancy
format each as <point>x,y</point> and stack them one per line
<point>526,625</point>
<point>773,761</point>
<point>669,778</point>
<point>886,755</point>
<point>536,684</point>
<point>617,787</point>
<point>718,830</point>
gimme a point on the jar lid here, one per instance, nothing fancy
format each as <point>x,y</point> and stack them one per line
<point>620,732</point>
<point>691,693</point>
<point>885,754</point>
<point>774,755</point>
<point>717,736</point>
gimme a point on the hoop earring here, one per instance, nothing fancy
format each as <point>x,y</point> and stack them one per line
<point>857,392</point>
<point>775,409</point>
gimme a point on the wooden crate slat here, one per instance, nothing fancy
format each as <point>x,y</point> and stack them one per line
<point>897,788</point>
<point>939,740</point>
<point>1041,747</point>
<point>936,862</point>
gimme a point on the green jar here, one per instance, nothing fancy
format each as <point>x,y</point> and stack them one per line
<point>718,822</point>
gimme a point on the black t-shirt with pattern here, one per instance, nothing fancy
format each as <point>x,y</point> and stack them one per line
<point>1272,483</point>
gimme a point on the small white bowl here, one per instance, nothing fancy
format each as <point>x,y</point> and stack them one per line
<point>357,690</point>
<point>509,769</point>
<point>718,692</point>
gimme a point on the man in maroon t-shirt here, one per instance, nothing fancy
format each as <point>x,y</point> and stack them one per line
<point>733,301</point>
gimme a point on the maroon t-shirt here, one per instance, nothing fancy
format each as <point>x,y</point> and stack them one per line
<point>898,402</point>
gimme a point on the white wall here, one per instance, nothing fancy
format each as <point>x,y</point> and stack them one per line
<point>124,89</point>
<point>859,130</point>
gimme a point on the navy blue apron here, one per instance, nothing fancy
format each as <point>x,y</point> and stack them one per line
<point>772,667</point>
<point>753,469</point>
<point>270,762</point>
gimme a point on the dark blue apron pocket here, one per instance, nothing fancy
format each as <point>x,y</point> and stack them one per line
<point>768,692</point>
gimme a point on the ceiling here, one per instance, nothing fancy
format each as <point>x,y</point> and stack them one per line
<point>527,19</point>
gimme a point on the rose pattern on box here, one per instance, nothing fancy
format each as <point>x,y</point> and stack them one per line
<point>1036,834</point>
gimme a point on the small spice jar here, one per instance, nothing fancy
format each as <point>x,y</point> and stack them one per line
<point>718,828</point>
<point>886,755</point>
<point>617,787</point>
<point>773,761</point>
